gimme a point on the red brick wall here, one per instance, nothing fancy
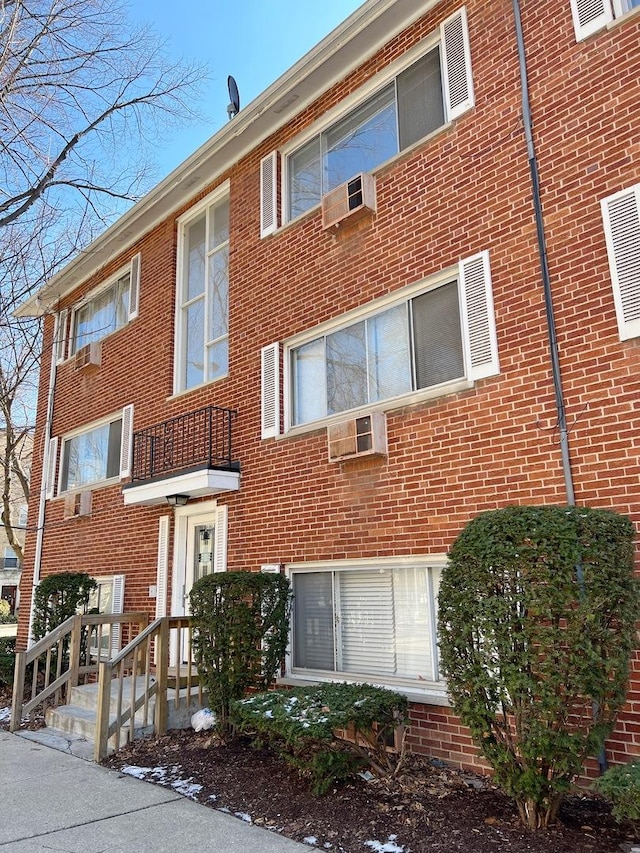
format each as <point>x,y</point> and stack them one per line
<point>465,190</point>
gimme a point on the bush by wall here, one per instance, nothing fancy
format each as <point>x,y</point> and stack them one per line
<point>537,624</point>
<point>57,597</point>
<point>621,786</point>
<point>241,629</point>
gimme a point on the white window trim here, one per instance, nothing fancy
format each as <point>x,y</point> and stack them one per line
<point>71,348</point>
<point>434,693</point>
<point>114,416</point>
<point>354,316</point>
<point>182,221</point>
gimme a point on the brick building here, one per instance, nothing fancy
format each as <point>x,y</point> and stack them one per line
<point>399,288</point>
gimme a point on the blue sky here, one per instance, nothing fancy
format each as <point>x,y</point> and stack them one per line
<point>253,40</point>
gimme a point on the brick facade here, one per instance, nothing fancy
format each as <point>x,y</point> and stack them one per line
<point>464,190</point>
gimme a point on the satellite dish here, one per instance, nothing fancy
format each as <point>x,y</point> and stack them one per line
<point>234,107</point>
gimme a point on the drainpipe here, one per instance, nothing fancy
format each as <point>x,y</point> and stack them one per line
<point>37,560</point>
<point>546,282</point>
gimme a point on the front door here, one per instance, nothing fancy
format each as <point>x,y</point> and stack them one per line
<point>200,550</point>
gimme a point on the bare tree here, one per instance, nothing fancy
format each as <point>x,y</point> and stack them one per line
<point>84,96</point>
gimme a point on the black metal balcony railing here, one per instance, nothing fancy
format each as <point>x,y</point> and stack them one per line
<point>202,437</point>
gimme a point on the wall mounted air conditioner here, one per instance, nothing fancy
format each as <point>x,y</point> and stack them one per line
<point>77,505</point>
<point>363,436</point>
<point>352,200</point>
<point>89,355</point>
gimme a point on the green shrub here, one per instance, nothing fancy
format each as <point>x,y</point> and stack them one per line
<point>7,660</point>
<point>537,625</point>
<point>621,786</point>
<point>241,628</point>
<point>328,731</point>
<point>5,608</point>
<point>57,597</point>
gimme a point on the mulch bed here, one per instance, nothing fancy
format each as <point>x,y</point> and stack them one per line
<point>426,808</point>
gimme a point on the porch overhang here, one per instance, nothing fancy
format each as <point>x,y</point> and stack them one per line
<point>194,483</point>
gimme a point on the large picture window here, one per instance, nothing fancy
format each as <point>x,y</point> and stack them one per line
<point>377,621</point>
<point>203,297</point>
<point>91,456</point>
<point>405,111</point>
<point>412,345</point>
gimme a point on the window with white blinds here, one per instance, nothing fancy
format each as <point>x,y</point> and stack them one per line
<point>364,623</point>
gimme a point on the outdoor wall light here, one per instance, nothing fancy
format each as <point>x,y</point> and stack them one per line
<point>177,500</point>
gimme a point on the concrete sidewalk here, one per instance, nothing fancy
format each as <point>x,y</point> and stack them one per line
<point>50,800</point>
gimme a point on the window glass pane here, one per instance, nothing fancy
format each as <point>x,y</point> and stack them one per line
<point>313,637</point>
<point>115,440</point>
<point>412,617</point>
<point>86,458</point>
<point>437,336</point>
<point>218,359</point>
<point>194,343</point>
<point>346,368</point>
<point>389,354</point>
<point>365,138</point>
<point>309,386</point>
<point>365,620</point>
<point>104,314</point>
<point>218,294</point>
<point>219,225</point>
<point>195,259</point>
<point>420,104</point>
<point>304,178</point>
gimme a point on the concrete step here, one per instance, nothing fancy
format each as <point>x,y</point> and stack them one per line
<point>81,723</point>
<point>86,695</point>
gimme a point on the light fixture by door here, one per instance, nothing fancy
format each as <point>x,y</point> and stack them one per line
<point>177,500</point>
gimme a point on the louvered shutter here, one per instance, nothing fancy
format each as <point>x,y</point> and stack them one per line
<point>270,396</point>
<point>269,194</point>
<point>162,566</point>
<point>126,442</point>
<point>589,16</point>
<point>478,317</point>
<point>134,285</point>
<point>220,553</point>
<point>50,473</point>
<point>458,81</point>
<point>117,607</point>
<point>60,336</point>
<point>621,214</point>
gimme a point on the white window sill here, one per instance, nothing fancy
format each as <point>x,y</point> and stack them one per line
<point>426,696</point>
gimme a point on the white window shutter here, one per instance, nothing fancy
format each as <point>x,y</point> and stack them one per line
<point>456,57</point>
<point>117,607</point>
<point>220,553</point>
<point>589,16</point>
<point>60,336</point>
<point>126,442</point>
<point>478,317</point>
<point>270,398</point>
<point>50,473</point>
<point>134,285</point>
<point>163,566</point>
<point>269,194</point>
<point>621,214</point>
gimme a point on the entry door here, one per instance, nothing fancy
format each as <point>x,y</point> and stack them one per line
<point>200,553</point>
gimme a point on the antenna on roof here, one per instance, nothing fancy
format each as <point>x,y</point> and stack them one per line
<point>234,107</point>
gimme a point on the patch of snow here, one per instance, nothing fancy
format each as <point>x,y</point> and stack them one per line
<point>137,772</point>
<point>310,839</point>
<point>5,714</point>
<point>186,787</point>
<point>244,816</point>
<point>213,796</point>
<point>388,847</point>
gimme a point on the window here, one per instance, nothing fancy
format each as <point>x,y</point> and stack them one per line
<point>424,338</point>
<point>203,296</point>
<point>104,312</point>
<point>106,599</point>
<point>95,454</point>
<point>589,16</point>
<point>621,216</point>
<point>10,560</point>
<point>367,621</point>
<point>429,87</point>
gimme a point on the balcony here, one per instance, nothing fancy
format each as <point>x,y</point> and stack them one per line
<point>189,455</point>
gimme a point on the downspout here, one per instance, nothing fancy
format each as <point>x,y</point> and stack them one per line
<point>37,560</point>
<point>546,282</point>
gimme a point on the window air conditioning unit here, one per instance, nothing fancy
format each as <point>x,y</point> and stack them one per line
<point>352,200</point>
<point>89,355</point>
<point>363,436</point>
<point>77,505</point>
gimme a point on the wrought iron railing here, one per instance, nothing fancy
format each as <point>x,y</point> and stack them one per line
<point>186,441</point>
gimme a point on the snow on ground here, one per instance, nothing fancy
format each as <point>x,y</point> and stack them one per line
<point>310,839</point>
<point>389,847</point>
<point>244,816</point>
<point>5,714</point>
